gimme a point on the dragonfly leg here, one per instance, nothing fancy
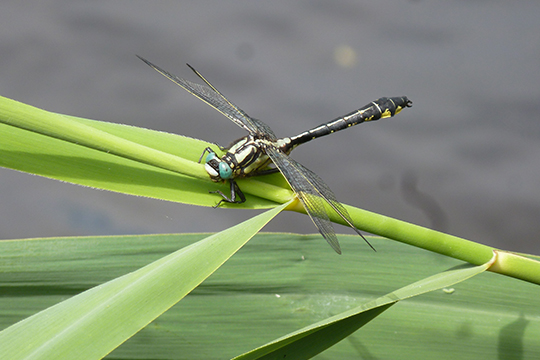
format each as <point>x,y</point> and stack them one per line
<point>235,191</point>
<point>207,150</point>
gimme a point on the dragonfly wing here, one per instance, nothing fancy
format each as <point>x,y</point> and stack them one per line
<point>210,95</point>
<point>324,191</point>
<point>317,213</point>
<point>313,193</point>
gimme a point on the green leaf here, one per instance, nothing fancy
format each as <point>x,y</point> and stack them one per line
<point>313,339</point>
<point>278,283</point>
<point>117,157</point>
<point>521,266</point>
<point>93,323</point>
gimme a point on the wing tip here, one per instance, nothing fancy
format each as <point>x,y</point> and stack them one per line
<point>192,69</point>
<point>332,240</point>
<point>367,242</point>
<point>143,59</point>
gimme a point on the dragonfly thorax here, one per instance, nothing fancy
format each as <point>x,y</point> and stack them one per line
<point>243,158</point>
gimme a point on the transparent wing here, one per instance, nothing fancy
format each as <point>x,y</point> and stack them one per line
<point>313,193</point>
<point>210,95</point>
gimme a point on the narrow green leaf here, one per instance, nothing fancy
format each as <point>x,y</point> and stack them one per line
<point>313,339</point>
<point>520,267</point>
<point>117,157</point>
<point>93,323</point>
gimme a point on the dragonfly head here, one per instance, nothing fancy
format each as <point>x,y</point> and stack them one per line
<point>217,169</point>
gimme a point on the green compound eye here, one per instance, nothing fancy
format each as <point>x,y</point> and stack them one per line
<point>225,171</point>
<point>209,157</point>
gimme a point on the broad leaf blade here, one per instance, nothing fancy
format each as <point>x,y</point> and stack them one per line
<point>278,283</point>
<point>93,323</point>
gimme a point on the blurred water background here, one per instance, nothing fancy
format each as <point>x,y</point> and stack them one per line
<point>465,159</point>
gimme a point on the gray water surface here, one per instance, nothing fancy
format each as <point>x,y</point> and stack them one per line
<point>465,159</point>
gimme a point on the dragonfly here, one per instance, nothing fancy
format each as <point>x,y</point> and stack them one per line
<point>254,153</point>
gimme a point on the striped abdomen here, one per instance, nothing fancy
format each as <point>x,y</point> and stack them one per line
<point>378,109</point>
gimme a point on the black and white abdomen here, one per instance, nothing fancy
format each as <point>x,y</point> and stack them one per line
<point>375,110</point>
